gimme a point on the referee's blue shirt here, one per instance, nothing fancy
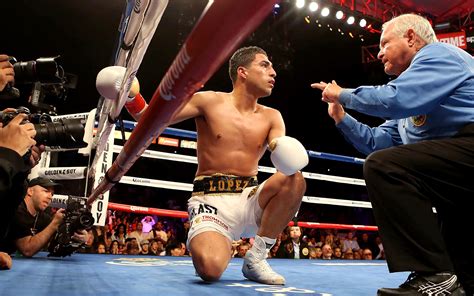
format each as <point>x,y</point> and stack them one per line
<point>433,98</point>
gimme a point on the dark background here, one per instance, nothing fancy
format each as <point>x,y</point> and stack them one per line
<point>84,34</point>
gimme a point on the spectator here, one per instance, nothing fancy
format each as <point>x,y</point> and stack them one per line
<point>101,248</point>
<point>380,252</point>
<point>337,253</point>
<point>327,252</point>
<point>147,223</point>
<point>145,244</point>
<point>114,249</point>
<point>173,249</point>
<point>349,255</point>
<point>365,242</point>
<point>120,234</point>
<point>159,233</point>
<point>139,235</point>
<point>367,254</point>
<point>350,243</point>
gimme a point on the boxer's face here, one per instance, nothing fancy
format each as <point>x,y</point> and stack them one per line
<point>260,75</point>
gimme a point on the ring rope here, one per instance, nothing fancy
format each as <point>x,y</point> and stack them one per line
<point>182,214</point>
<point>264,169</point>
<point>189,187</point>
<point>193,135</point>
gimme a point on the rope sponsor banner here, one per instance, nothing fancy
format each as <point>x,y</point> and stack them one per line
<point>99,206</point>
<point>63,173</point>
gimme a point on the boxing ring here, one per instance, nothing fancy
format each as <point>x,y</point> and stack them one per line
<point>115,275</point>
<point>93,274</point>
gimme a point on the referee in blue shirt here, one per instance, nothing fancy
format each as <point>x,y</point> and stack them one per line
<point>421,157</point>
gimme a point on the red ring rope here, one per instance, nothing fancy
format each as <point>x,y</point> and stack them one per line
<point>182,214</point>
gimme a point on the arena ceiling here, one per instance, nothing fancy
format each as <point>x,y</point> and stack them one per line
<point>440,9</point>
<point>458,12</point>
<point>84,34</point>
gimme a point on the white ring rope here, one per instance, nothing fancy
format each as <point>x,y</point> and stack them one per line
<point>264,169</point>
<point>189,187</point>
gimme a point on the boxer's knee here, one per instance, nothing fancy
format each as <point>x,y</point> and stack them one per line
<point>211,253</point>
<point>294,186</point>
<point>298,184</point>
<point>209,266</point>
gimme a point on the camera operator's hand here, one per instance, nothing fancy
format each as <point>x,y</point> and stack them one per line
<point>81,236</point>
<point>36,154</point>
<point>17,136</point>
<point>58,218</point>
<point>6,71</point>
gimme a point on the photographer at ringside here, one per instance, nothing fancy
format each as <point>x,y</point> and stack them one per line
<point>34,226</point>
<point>16,140</point>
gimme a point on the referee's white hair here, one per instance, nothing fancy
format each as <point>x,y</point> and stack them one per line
<point>420,25</point>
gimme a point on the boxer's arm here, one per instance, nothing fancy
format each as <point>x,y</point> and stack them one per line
<point>109,82</point>
<point>277,128</point>
<point>138,105</point>
<point>288,155</point>
<point>193,108</point>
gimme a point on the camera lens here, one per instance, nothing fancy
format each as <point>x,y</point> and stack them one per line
<point>44,70</point>
<point>25,72</point>
<point>67,133</point>
<point>86,220</point>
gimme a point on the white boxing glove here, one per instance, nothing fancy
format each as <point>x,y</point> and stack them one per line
<point>288,155</point>
<point>109,80</point>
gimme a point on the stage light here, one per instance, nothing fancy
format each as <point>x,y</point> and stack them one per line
<point>276,9</point>
<point>350,34</point>
<point>350,20</point>
<point>362,23</point>
<point>313,6</point>
<point>325,12</point>
<point>300,3</point>
<point>307,19</point>
<point>339,15</point>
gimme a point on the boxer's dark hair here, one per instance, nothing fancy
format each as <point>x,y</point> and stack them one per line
<point>242,57</point>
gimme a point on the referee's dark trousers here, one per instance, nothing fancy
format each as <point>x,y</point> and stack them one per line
<point>405,183</point>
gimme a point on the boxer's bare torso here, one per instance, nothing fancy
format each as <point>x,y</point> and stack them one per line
<point>231,138</point>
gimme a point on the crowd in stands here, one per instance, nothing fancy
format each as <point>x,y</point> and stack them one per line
<point>132,234</point>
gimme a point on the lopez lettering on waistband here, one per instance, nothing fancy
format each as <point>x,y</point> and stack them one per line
<point>223,184</point>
